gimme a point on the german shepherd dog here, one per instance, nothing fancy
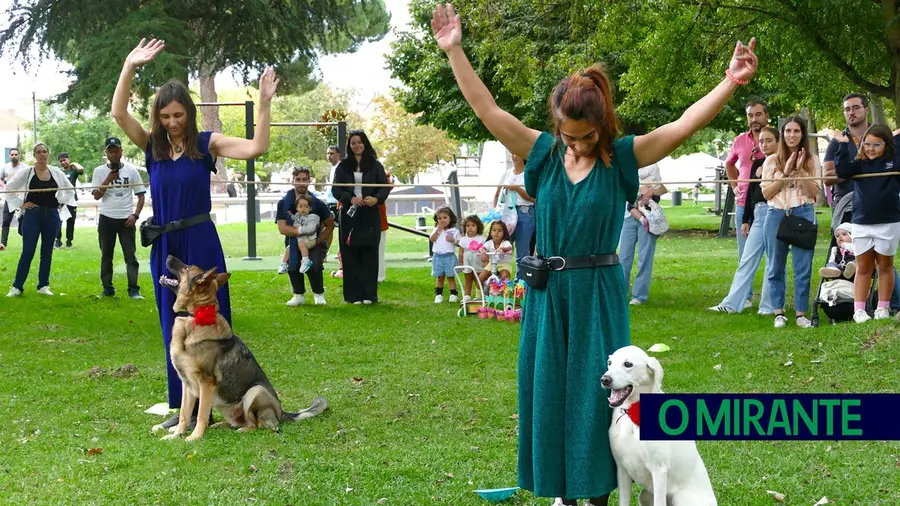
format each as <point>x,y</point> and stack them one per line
<point>214,365</point>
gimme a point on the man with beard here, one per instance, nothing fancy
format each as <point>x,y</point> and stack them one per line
<point>744,151</point>
<point>856,112</point>
<point>284,218</point>
<point>72,170</point>
<point>118,216</point>
<point>6,173</point>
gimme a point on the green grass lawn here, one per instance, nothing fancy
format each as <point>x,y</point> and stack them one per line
<point>423,403</point>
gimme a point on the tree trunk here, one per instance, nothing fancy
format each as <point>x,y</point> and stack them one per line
<point>212,122</point>
<point>877,107</point>
<point>813,147</point>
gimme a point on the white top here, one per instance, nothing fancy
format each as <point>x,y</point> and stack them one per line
<point>442,245</point>
<point>326,190</point>
<point>65,193</point>
<point>502,258</point>
<point>650,175</point>
<point>511,178</point>
<point>118,201</point>
<point>8,171</point>
<point>357,176</point>
<point>465,240</point>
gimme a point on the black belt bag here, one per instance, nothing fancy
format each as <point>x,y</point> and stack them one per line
<point>150,232</point>
<point>536,269</point>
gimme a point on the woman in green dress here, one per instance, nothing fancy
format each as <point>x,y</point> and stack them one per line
<point>581,177</point>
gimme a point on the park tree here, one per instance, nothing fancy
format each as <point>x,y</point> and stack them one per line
<point>661,55</point>
<point>406,146</point>
<point>202,38</point>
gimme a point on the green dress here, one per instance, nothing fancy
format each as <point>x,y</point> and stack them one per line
<point>571,327</point>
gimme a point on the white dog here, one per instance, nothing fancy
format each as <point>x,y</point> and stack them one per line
<point>670,472</point>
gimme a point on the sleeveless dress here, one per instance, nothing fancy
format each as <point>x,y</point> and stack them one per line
<point>180,189</point>
<point>572,325</point>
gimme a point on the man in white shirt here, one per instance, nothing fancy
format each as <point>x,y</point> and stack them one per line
<point>6,173</point>
<point>118,216</point>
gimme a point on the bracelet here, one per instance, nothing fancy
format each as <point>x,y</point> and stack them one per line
<point>136,216</point>
<point>739,82</point>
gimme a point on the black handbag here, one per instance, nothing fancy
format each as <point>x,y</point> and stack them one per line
<point>150,232</point>
<point>534,270</point>
<point>797,231</point>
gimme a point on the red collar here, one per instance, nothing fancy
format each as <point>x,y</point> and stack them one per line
<point>634,413</point>
<point>205,315</point>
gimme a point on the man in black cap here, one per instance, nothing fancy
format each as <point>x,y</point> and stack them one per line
<point>118,216</point>
<point>72,170</point>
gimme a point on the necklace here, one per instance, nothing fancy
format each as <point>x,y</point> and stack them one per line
<point>176,147</point>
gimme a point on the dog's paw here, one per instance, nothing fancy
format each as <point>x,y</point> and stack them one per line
<point>247,429</point>
<point>156,428</point>
<point>169,437</point>
<point>194,436</point>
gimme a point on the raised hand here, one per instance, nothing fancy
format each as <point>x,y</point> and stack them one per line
<point>268,82</point>
<point>446,26</point>
<point>744,62</point>
<point>840,136</point>
<point>801,160</point>
<point>791,163</point>
<point>145,52</point>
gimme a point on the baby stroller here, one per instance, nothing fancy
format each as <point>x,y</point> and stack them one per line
<point>835,297</point>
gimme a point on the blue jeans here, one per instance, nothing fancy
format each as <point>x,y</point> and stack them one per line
<point>777,252</point>
<point>741,241</point>
<point>633,233</point>
<point>43,223</point>
<point>522,236</point>
<point>895,297</point>
<point>754,248</point>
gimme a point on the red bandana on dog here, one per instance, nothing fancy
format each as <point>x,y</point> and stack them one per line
<point>634,412</point>
<point>205,315</point>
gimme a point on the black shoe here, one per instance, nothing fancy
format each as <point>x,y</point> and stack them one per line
<point>69,245</point>
<point>108,293</point>
<point>58,244</point>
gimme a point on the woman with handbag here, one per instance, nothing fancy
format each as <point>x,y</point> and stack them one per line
<point>876,214</point>
<point>580,174</point>
<point>360,230</point>
<point>791,218</point>
<point>636,232</point>
<point>180,160</point>
<point>513,184</point>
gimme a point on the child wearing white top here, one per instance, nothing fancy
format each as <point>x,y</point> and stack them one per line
<point>497,243</point>
<point>470,251</point>
<point>445,238</point>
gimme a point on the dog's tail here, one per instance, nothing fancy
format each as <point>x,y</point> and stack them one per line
<point>318,406</point>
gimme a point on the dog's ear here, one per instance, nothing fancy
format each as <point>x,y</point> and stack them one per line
<point>207,276</point>
<point>222,278</point>
<point>657,372</point>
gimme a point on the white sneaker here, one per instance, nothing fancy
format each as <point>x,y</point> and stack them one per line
<point>861,316</point>
<point>283,268</point>
<point>467,299</point>
<point>45,291</point>
<point>367,302</point>
<point>319,299</point>
<point>438,299</point>
<point>305,264</point>
<point>803,322</point>
<point>882,313</point>
<point>780,321</point>
<point>748,304</point>
<point>635,302</point>
<point>454,298</point>
<point>719,309</point>
<point>14,292</point>
<point>296,300</point>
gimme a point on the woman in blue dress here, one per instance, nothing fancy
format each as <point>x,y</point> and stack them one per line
<point>580,175</point>
<point>180,161</point>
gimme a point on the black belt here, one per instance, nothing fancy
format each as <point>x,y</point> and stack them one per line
<point>588,262</point>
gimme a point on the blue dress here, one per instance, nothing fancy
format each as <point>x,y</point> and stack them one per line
<point>180,189</point>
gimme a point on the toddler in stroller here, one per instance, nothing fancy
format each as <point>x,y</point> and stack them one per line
<point>841,260</point>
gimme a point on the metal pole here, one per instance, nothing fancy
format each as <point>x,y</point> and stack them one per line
<point>34,112</point>
<point>342,138</point>
<point>251,188</point>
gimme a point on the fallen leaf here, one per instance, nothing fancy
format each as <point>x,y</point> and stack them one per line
<point>253,468</point>
<point>823,500</point>
<point>659,347</point>
<point>94,451</point>
<point>717,367</point>
<point>450,475</point>
<point>514,416</point>
<point>357,379</point>
<point>778,496</point>
<point>190,456</point>
<point>789,363</point>
<point>382,500</point>
<point>348,489</point>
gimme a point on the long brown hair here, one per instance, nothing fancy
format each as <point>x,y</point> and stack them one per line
<point>784,152</point>
<point>882,132</point>
<point>587,95</point>
<point>173,91</point>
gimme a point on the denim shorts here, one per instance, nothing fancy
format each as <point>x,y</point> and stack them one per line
<point>442,264</point>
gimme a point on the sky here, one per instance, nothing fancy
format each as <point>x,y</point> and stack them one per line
<point>364,70</point>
